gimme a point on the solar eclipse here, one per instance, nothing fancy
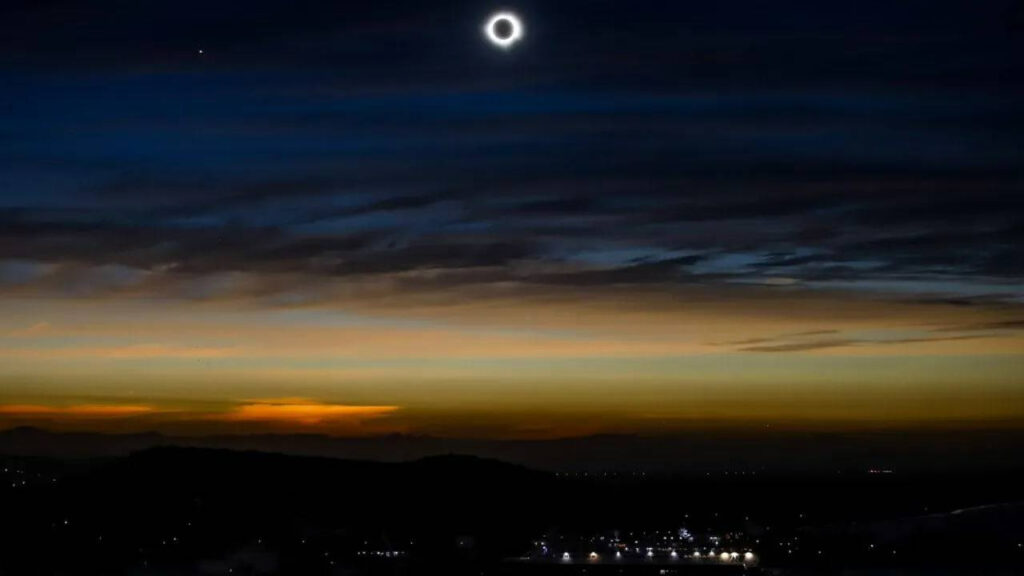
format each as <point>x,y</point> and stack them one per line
<point>504,30</point>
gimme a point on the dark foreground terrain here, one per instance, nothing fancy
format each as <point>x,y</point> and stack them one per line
<point>170,510</point>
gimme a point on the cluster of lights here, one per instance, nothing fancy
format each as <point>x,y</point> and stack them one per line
<point>746,557</point>
<point>664,546</point>
<point>380,553</point>
<point>23,477</point>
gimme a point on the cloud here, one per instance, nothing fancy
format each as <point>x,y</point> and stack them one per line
<point>77,412</point>
<point>278,414</point>
<point>781,337</point>
<point>298,411</point>
<point>998,325</point>
<point>108,251</point>
<point>802,346</point>
<point>807,346</point>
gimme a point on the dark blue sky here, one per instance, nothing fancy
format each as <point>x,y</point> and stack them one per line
<point>858,144</point>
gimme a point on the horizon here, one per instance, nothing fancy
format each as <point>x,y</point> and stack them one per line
<point>917,453</point>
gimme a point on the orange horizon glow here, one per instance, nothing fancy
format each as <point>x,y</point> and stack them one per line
<point>490,366</point>
<point>74,412</point>
<point>305,413</point>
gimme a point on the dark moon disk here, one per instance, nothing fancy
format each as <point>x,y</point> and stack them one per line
<point>503,29</point>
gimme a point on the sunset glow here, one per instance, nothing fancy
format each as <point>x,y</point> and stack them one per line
<point>306,413</point>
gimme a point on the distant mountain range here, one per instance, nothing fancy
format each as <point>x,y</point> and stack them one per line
<point>714,452</point>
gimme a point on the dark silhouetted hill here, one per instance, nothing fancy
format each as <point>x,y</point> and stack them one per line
<point>768,450</point>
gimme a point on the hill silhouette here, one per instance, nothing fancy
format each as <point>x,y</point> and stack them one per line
<point>175,506</point>
<point>785,451</point>
<point>188,510</point>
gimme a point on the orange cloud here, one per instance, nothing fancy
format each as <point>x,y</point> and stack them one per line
<point>279,414</point>
<point>305,412</point>
<point>84,411</point>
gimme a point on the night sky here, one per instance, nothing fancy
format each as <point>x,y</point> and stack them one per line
<point>361,217</point>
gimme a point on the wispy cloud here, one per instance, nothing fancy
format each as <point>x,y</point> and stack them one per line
<point>802,346</point>
<point>984,326</point>
<point>77,412</point>
<point>805,346</point>
<point>299,411</point>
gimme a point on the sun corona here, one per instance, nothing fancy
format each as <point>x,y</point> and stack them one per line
<point>504,30</point>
